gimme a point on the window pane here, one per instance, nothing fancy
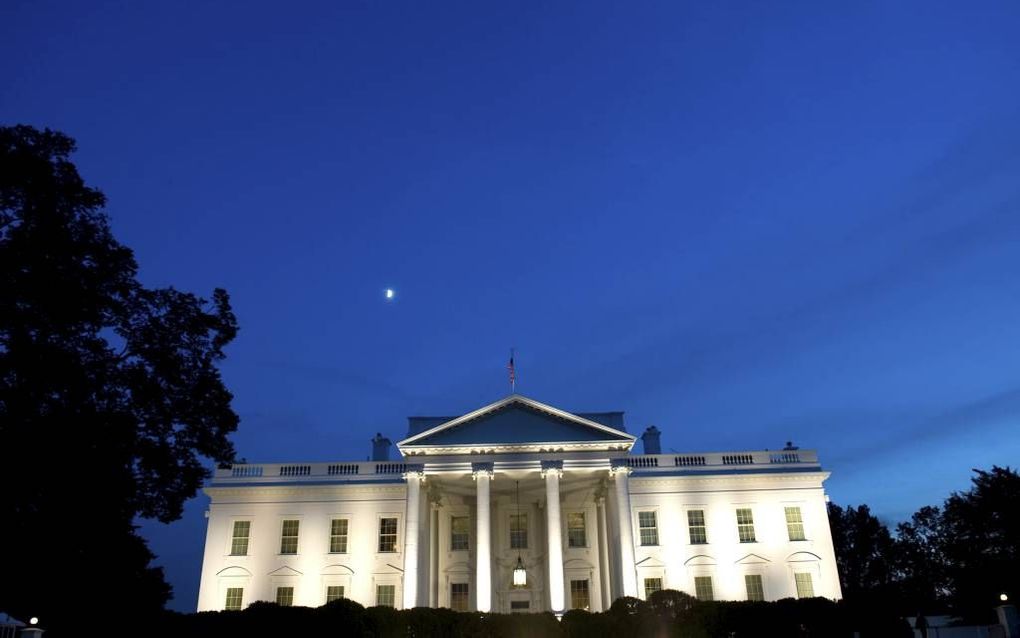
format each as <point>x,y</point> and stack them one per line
<point>285,596</point>
<point>579,598</point>
<point>385,595</point>
<point>289,537</point>
<point>387,535</point>
<point>745,525</point>
<point>805,588</point>
<point>648,530</point>
<point>794,524</point>
<point>334,592</point>
<point>234,597</point>
<point>696,527</point>
<point>459,529</point>
<point>459,596</point>
<point>576,533</point>
<point>338,536</point>
<point>239,538</point>
<point>703,587</point>
<point>754,586</point>
<point>652,585</point>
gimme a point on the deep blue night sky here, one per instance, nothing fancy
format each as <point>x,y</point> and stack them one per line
<point>743,223</point>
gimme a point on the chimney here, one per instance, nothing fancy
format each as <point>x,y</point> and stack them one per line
<point>380,448</point>
<point>650,440</point>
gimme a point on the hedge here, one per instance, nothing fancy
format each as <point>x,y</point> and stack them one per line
<point>666,614</point>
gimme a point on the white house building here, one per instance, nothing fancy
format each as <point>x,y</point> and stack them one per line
<point>519,483</point>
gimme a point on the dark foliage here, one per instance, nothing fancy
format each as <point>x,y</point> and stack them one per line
<point>958,558</point>
<point>863,547</point>
<point>669,613</point>
<point>110,398</point>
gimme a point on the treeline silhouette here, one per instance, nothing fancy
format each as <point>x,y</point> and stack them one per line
<point>956,558</point>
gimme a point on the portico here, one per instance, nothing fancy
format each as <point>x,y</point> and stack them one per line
<point>565,466</point>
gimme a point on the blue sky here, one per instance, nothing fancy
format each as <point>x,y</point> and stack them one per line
<point>742,222</point>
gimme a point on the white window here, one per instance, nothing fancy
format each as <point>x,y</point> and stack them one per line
<point>239,538</point>
<point>518,531</point>
<point>576,533</point>
<point>385,595</point>
<point>234,597</point>
<point>696,527</point>
<point>285,596</point>
<point>754,586</point>
<point>703,588</point>
<point>289,536</point>
<point>460,526</point>
<point>794,524</point>
<point>387,536</point>
<point>745,525</point>
<point>334,592</point>
<point>459,596</point>
<point>648,529</point>
<point>652,585</point>
<point>579,596</point>
<point>805,588</point>
<point>338,536</point>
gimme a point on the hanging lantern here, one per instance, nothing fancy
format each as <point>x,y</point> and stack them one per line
<point>520,574</point>
<point>520,577</point>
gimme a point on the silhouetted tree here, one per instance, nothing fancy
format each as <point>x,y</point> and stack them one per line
<point>920,561</point>
<point>110,399</point>
<point>981,540</point>
<point>864,551</point>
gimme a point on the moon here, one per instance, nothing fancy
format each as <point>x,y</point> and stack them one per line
<point>390,294</point>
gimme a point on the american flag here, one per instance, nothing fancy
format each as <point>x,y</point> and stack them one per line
<point>510,367</point>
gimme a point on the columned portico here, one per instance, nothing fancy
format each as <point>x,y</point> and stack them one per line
<point>551,472</point>
<point>628,571</point>
<point>483,473</point>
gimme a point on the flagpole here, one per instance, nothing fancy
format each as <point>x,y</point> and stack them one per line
<point>513,375</point>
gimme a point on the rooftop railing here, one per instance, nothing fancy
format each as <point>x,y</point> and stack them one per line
<point>388,470</point>
<point>267,472</point>
<point>723,460</point>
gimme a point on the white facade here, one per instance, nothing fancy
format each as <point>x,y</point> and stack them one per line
<point>595,522</point>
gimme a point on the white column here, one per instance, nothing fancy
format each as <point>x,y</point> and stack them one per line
<point>552,470</point>
<point>414,477</point>
<point>627,568</point>
<point>483,552</point>
<point>603,536</point>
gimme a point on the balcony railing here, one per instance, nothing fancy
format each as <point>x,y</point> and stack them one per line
<point>269,472</point>
<point>723,460</point>
<point>389,470</point>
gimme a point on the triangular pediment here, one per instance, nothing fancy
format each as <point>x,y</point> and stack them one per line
<point>752,559</point>
<point>514,422</point>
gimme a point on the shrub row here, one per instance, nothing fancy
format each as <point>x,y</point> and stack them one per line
<point>667,614</point>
